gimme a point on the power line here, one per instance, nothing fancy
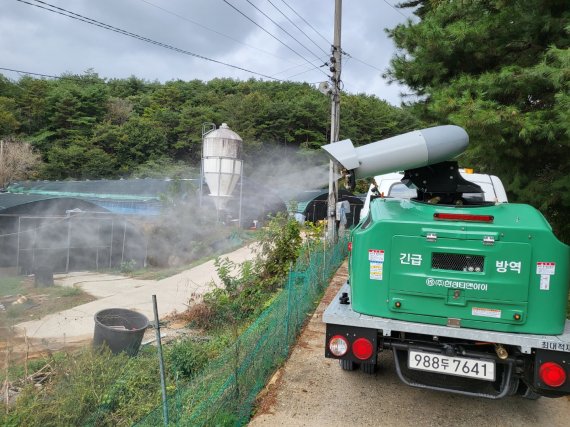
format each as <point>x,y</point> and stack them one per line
<point>296,26</point>
<point>361,61</point>
<point>295,66</point>
<point>210,29</point>
<point>298,74</point>
<point>30,73</point>
<point>282,29</point>
<point>276,38</point>
<point>78,78</point>
<point>73,15</point>
<point>397,10</point>
<point>305,21</point>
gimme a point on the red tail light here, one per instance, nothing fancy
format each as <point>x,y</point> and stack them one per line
<point>362,349</point>
<point>552,374</point>
<point>462,217</point>
<point>349,246</point>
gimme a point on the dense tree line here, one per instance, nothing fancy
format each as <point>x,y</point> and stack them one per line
<point>501,70</point>
<point>498,68</point>
<point>88,127</point>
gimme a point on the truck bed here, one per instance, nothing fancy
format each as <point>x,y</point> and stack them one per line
<point>342,314</point>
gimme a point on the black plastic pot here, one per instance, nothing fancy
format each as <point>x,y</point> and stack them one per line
<point>120,329</point>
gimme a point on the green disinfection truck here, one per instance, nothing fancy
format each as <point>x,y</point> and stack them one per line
<point>469,295</point>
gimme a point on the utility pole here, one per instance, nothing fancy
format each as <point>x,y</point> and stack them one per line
<point>1,162</point>
<point>335,65</point>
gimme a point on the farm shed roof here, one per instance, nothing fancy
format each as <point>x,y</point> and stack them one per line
<point>123,189</point>
<point>41,205</point>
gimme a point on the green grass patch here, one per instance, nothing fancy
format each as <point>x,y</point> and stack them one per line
<point>10,286</point>
<point>67,292</point>
<point>23,301</point>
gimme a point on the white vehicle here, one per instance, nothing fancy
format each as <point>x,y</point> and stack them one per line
<point>391,185</point>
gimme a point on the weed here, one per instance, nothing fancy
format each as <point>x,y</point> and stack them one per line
<point>128,266</point>
<point>248,286</point>
<point>90,387</point>
<point>15,311</point>
<point>70,292</point>
<point>188,357</point>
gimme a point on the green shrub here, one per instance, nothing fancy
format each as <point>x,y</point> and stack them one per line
<point>248,286</point>
<point>187,357</point>
<point>127,267</point>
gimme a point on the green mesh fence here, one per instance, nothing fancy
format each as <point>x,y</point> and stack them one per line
<point>223,393</point>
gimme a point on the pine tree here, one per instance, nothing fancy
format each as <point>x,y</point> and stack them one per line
<point>500,69</point>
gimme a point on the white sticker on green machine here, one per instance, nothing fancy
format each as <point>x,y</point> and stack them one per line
<point>375,255</point>
<point>486,312</point>
<point>376,270</point>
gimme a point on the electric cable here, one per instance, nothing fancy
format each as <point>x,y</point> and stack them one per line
<point>76,78</point>
<point>296,26</point>
<point>211,30</point>
<point>298,74</point>
<point>306,22</point>
<point>348,55</point>
<point>30,73</point>
<point>273,36</point>
<point>282,29</point>
<point>73,15</point>
<point>393,7</point>
<point>297,66</point>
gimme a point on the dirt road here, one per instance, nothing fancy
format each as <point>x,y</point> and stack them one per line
<point>313,391</point>
<point>75,326</point>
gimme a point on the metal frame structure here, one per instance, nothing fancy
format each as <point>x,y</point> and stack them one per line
<point>46,222</point>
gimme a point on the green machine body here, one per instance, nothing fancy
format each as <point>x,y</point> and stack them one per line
<point>495,267</point>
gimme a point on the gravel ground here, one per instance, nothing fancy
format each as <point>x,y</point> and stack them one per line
<point>313,391</point>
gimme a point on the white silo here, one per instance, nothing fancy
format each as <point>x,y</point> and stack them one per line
<point>221,163</point>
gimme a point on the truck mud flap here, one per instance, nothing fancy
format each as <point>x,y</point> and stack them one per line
<point>505,389</point>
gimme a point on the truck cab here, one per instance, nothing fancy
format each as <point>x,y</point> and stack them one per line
<point>391,185</point>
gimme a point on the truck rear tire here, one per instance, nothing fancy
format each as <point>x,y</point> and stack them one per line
<point>347,365</point>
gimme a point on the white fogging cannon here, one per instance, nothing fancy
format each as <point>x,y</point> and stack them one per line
<point>423,154</point>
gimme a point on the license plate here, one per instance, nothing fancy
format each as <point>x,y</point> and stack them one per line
<point>460,366</point>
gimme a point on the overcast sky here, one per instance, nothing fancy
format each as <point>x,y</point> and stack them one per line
<point>35,40</point>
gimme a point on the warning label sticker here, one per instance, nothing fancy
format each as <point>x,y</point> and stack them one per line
<point>376,255</point>
<point>486,312</point>
<point>545,282</point>
<point>545,268</point>
<point>376,270</point>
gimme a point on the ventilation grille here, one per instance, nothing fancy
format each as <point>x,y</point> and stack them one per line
<point>458,262</point>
